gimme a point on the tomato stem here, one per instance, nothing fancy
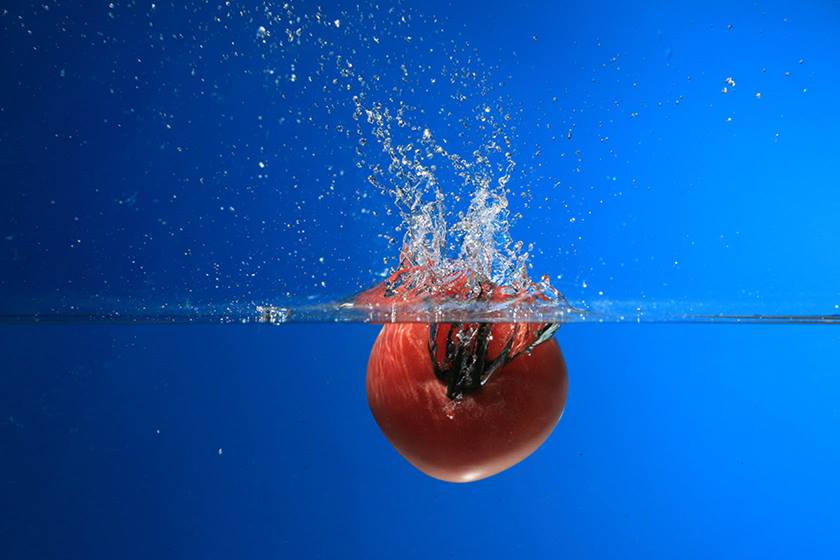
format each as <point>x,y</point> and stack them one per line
<point>466,367</point>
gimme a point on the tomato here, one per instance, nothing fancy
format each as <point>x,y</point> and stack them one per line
<point>427,391</point>
<point>461,401</point>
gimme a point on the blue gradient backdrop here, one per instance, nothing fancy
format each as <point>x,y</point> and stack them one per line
<point>689,441</point>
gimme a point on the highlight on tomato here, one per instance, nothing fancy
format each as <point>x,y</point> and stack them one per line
<point>463,401</point>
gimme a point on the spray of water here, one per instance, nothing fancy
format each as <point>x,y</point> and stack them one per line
<point>431,132</point>
<point>426,181</point>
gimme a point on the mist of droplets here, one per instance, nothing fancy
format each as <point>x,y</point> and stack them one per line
<point>429,130</point>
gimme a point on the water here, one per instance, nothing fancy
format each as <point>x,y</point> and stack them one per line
<point>675,438</point>
<point>193,200</point>
<point>399,312</point>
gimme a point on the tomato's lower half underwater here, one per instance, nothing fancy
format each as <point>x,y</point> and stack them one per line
<point>463,436</point>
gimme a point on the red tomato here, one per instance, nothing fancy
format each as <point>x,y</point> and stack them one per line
<point>467,431</point>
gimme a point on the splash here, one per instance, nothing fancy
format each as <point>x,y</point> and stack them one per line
<point>430,129</point>
<point>450,190</point>
<point>427,181</point>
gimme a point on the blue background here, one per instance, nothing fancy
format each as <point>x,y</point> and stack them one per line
<point>122,153</point>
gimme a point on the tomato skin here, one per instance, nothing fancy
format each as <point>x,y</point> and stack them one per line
<point>479,435</point>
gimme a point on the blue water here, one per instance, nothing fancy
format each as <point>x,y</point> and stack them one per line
<point>131,139</point>
<point>689,441</point>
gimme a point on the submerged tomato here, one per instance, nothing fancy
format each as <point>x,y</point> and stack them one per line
<point>475,434</point>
